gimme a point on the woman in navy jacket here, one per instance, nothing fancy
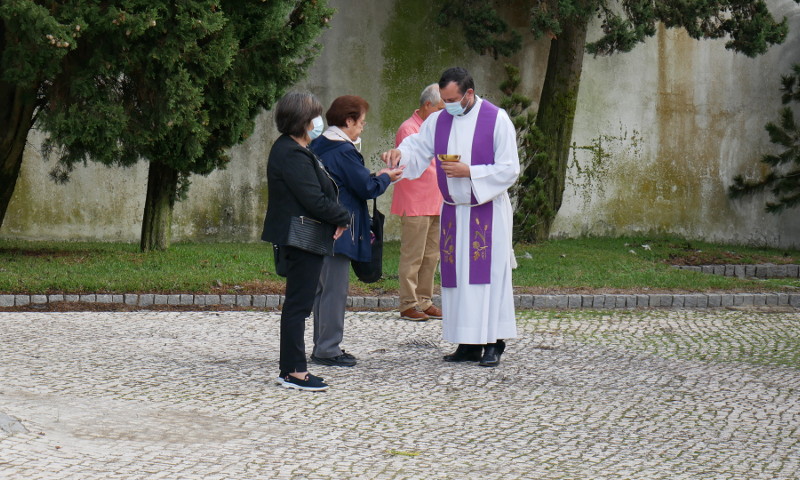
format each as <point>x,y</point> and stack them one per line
<point>338,152</point>
<point>298,186</point>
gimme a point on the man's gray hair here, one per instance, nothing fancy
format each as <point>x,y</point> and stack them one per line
<point>430,94</point>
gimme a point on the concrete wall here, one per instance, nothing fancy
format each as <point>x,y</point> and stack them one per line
<point>660,132</point>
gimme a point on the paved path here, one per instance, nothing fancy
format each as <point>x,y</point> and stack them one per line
<point>663,394</point>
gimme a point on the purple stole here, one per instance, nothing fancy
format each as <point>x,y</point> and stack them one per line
<point>480,217</point>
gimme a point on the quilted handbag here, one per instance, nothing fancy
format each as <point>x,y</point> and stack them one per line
<point>311,235</point>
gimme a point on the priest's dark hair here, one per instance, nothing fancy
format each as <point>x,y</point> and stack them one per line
<point>459,75</point>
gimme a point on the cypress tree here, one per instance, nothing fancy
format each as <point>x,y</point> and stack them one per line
<point>171,83</point>
<point>783,177</point>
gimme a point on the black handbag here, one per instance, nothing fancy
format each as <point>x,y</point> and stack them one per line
<point>371,271</point>
<point>311,235</point>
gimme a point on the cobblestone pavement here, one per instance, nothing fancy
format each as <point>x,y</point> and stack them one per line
<point>636,394</point>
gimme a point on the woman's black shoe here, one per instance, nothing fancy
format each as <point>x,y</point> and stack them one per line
<point>465,353</point>
<point>492,353</point>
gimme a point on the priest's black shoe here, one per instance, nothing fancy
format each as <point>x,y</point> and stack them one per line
<point>492,353</point>
<point>465,353</point>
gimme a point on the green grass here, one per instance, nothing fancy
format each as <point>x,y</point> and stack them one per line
<point>588,264</point>
<point>40,267</point>
<point>626,264</point>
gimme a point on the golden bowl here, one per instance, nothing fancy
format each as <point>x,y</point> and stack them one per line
<point>449,157</point>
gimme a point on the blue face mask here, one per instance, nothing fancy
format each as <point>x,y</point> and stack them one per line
<point>317,131</point>
<point>455,108</point>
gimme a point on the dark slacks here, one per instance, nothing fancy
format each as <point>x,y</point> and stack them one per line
<point>302,276</point>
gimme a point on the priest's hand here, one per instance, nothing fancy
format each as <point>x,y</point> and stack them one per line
<point>392,157</point>
<point>456,169</point>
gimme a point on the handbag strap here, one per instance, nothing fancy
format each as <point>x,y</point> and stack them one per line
<point>325,171</point>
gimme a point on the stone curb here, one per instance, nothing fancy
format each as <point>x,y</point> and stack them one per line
<point>763,270</point>
<point>521,302</point>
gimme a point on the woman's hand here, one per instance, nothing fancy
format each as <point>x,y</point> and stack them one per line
<point>394,173</point>
<point>338,233</point>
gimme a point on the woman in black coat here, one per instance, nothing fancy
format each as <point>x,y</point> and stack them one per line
<point>298,186</point>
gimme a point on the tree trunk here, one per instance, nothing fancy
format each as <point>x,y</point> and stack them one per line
<point>17,106</point>
<point>162,187</point>
<point>556,114</point>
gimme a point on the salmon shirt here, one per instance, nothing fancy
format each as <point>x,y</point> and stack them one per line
<point>414,198</point>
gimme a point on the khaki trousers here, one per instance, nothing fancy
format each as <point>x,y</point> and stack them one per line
<point>419,257</point>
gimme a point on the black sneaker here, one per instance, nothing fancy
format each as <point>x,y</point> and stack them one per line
<point>310,383</point>
<point>347,355</point>
<point>279,380</point>
<point>343,360</point>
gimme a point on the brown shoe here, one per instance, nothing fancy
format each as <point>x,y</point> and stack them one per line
<point>433,311</point>
<point>413,314</point>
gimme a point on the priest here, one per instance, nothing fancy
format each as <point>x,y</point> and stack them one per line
<point>480,165</point>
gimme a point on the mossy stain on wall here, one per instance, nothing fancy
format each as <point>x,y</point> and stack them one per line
<point>416,51</point>
<point>680,189</point>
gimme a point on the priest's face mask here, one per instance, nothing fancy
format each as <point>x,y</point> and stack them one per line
<point>454,101</point>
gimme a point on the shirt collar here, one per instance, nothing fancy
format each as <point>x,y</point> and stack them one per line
<point>336,134</point>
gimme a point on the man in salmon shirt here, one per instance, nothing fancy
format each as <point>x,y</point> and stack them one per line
<point>418,203</point>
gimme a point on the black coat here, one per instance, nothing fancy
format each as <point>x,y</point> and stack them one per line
<point>298,185</point>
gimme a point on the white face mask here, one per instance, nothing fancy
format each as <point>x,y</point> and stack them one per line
<point>317,131</point>
<point>455,108</point>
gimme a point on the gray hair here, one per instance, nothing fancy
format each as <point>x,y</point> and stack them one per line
<point>293,112</point>
<point>430,94</point>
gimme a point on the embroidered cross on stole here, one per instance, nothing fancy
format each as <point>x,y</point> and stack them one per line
<point>480,217</point>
